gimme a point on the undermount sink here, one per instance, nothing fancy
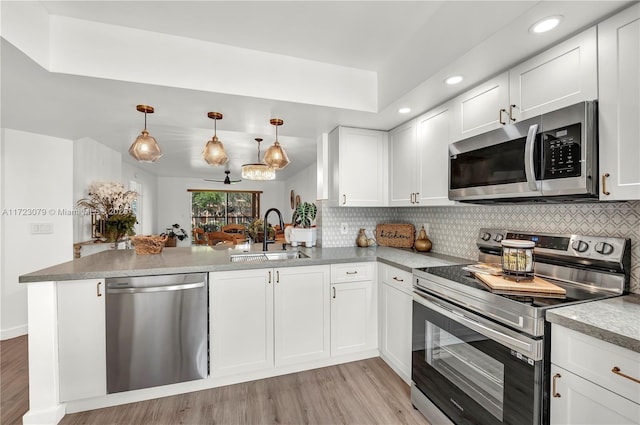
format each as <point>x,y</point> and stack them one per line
<point>262,256</point>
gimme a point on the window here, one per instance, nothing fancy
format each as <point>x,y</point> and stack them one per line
<point>210,210</point>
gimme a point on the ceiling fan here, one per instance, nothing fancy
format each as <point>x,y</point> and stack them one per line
<point>226,180</point>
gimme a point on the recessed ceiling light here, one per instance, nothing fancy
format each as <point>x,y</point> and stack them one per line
<point>404,110</point>
<point>546,24</point>
<point>455,79</point>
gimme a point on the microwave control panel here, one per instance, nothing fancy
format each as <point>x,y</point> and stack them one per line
<point>561,152</point>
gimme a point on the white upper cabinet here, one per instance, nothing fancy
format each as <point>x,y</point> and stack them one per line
<point>619,105</point>
<point>481,109</point>
<point>433,154</point>
<point>418,161</point>
<point>561,76</point>
<point>358,164</point>
<point>403,164</point>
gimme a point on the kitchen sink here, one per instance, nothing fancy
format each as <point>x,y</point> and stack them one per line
<point>262,256</point>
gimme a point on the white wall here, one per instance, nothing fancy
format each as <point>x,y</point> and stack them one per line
<point>45,187</point>
<point>174,202</point>
<point>92,161</point>
<point>303,184</point>
<point>147,198</point>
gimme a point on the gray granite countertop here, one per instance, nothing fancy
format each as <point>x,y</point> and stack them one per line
<point>615,320</point>
<point>122,263</point>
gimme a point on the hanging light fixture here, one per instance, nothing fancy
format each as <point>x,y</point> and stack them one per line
<point>213,151</point>
<point>145,148</point>
<point>276,157</point>
<point>258,170</point>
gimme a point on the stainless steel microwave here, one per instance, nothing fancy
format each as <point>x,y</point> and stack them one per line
<point>551,157</point>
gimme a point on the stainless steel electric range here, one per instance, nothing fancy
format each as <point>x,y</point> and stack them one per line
<point>482,357</point>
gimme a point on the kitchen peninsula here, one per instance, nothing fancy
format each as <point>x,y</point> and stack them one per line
<point>67,317</point>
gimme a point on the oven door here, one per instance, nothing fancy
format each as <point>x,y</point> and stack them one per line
<point>472,369</point>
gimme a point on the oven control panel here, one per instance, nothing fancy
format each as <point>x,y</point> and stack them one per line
<point>603,248</point>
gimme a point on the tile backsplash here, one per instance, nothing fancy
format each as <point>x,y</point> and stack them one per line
<point>453,230</point>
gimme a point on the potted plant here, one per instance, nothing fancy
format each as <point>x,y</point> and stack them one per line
<point>303,229</point>
<point>174,234</point>
<point>256,230</point>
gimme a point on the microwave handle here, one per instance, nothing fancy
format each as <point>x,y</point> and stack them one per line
<point>528,157</point>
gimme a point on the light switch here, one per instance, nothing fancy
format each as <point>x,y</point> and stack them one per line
<point>41,228</point>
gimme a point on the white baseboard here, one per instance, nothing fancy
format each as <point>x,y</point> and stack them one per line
<point>13,332</point>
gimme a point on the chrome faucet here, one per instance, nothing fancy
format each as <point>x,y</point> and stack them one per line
<point>265,239</point>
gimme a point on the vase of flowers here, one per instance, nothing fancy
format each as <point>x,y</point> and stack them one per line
<point>111,203</point>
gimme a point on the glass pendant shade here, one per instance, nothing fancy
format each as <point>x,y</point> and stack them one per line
<point>258,170</point>
<point>145,148</point>
<point>213,152</point>
<point>276,157</point>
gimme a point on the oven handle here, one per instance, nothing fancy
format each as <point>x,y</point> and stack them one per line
<point>528,157</point>
<point>531,348</point>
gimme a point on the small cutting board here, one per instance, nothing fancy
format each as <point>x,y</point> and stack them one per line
<point>536,285</point>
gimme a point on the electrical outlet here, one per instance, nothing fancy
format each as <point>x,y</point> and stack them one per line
<point>344,229</point>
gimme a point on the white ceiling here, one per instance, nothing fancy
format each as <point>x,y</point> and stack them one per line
<point>411,46</point>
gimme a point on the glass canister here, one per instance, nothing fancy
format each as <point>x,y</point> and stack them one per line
<point>517,259</point>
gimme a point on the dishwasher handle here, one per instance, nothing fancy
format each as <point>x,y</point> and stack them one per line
<point>148,289</point>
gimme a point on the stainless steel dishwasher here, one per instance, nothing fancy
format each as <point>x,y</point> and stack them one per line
<point>157,330</point>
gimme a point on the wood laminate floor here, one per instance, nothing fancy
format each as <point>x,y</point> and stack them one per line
<point>362,392</point>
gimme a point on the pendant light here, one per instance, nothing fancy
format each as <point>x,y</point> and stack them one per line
<point>145,148</point>
<point>276,157</point>
<point>258,170</point>
<point>213,151</point>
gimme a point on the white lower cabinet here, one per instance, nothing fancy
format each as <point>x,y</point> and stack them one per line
<point>592,381</point>
<point>395,319</point>
<point>353,309</point>
<point>265,317</point>
<point>82,353</point>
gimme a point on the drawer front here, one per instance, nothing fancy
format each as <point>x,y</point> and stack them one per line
<point>351,272</point>
<point>397,278</point>
<point>594,360</point>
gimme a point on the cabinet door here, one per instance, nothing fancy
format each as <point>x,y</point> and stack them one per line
<point>302,314</point>
<point>353,318</point>
<point>395,322</point>
<point>478,110</point>
<point>583,402</point>
<point>561,76</point>
<point>241,321</point>
<point>403,165</point>
<point>82,339</point>
<point>619,105</point>
<point>433,158</point>
<point>363,166</point>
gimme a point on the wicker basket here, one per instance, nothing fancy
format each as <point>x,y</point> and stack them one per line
<point>148,244</point>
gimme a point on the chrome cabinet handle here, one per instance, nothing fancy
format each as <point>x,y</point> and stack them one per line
<point>98,293</point>
<point>412,198</point>
<point>604,184</point>
<point>417,194</point>
<point>398,279</point>
<point>555,393</point>
<point>528,157</point>
<point>500,116</point>
<point>618,372</point>
<point>511,113</point>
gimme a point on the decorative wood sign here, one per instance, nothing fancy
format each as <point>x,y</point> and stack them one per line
<point>395,235</point>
